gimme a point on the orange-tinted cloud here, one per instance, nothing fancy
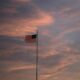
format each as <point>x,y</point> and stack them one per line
<point>21,68</point>
<point>70,54</point>
<point>68,31</point>
<point>22,26</point>
<point>62,66</point>
<point>44,76</point>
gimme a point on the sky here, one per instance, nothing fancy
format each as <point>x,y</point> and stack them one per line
<point>58,25</point>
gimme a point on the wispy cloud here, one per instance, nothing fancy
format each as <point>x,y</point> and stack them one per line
<point>27,67</point>
<point>58,23</point>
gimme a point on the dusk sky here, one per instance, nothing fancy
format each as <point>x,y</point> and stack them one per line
<point>58,23</point>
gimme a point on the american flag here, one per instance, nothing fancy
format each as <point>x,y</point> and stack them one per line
<point>31,38</point>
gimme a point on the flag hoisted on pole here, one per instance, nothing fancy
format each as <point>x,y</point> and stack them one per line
<point>31,39</point>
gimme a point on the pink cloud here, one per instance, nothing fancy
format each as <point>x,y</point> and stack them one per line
<point>20,27</point>
<point>68,31</point>
<point>22,68</point>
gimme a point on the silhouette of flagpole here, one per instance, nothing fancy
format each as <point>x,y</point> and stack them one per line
<point>30,39</point>
<point>37,56</point>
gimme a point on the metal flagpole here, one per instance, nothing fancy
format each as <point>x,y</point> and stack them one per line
<point>37,56</point>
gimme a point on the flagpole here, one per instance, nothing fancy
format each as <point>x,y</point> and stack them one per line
<point>37,56</point>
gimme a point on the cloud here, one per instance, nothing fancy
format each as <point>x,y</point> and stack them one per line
<point>19,9</point>
<point>22,26</point>
<point>59,69</point>
<point>65,32</point>
<point>21,68</point>
<point>44,76</point>
<point>16,70</point>
<point>57,51</point>
<point>68,55</point>
<point>56,5</point>
<point>19,19</point>
<point>15,49</point>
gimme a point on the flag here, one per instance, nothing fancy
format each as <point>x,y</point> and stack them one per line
<point>31,38</point>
